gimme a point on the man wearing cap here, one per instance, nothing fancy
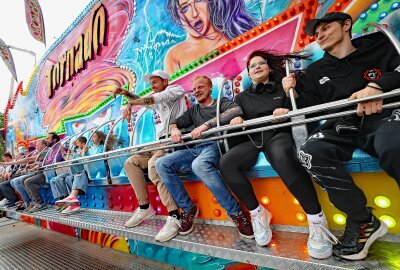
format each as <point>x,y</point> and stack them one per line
<point>365,66</point>
<point>162,101</point>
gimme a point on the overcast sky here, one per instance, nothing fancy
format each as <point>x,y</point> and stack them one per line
<point>57,15</point>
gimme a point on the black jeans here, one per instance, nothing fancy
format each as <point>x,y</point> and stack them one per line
<point>325,153</point>
<point>279,150</point>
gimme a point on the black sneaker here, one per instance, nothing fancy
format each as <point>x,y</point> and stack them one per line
<point>357,239</point>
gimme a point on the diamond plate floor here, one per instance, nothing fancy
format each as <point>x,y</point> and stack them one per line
<point>24,246</point>
<point>286,251</point>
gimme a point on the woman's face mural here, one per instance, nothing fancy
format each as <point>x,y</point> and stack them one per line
<point>195,17</point>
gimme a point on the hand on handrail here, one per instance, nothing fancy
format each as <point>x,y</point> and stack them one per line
<point>370,107</point>
<point>278,112</point>
<point>196,133</point>
<point>176,135</point>
<point>236,121</point>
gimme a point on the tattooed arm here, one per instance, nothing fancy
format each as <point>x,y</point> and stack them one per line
<point>143,101</point>
<point>225,118</point>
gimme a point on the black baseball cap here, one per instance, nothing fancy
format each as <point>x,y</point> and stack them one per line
<point>327,18</point>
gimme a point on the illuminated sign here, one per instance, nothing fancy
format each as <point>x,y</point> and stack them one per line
<point>86,47</point>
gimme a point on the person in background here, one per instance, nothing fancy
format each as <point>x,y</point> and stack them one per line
<point>59,184</point>
<point>79,183</point>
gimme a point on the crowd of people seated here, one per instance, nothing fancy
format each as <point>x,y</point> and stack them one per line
<point>353,69</point>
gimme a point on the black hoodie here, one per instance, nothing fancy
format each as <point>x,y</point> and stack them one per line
<point>329,79</point>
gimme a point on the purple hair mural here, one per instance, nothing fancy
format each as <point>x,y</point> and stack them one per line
<point>209,24</point>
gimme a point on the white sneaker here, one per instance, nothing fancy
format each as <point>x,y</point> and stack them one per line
<point>261,228</point>
<point>140,215</point>
<point>169,230</point>
<point>320,240</point>
<point>3,202</point>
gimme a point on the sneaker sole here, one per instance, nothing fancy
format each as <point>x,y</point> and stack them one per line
<point>321,256</point>
<point>63,204</point>
<point>138,223</point>
<point>246,236</point>
<point>191,229</point>
<point>382,230</point>
<point>166,239</point>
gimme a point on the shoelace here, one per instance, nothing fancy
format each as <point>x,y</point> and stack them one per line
<point>240,218</point>
<point>169,223</point>
<point>319,229</point>
<point>259,226</point>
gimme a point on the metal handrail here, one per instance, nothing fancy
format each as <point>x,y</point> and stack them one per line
<point>218,115</point>
<point>262,120</point>
<point>392,38</point>
<point>111,128</point>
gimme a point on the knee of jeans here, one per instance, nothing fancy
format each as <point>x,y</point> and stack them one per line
<point>199,166</point>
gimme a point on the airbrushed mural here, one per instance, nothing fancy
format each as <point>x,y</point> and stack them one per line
<point>114,43</point>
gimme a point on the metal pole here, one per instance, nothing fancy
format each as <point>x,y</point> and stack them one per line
<point>299,133</point>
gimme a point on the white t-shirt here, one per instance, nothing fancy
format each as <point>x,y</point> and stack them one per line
<point>164,101</point>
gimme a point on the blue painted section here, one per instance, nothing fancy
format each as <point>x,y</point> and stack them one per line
<point>179,258</point>
<point>145,130</point>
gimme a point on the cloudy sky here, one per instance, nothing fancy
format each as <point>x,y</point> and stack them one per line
<point>14,31</point>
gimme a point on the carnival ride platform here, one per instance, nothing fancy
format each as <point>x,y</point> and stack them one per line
<point>23,246</point>
<point>288,249</point>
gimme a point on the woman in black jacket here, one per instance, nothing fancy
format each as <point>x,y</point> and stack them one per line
<point>266,97</point>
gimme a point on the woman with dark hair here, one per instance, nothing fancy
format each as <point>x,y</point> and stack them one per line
<point>209,23</point>
<point>267,97</point>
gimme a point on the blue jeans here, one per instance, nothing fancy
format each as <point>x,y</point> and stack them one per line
<point>202,159</point>
<point>59,187</point>
<point>16,183</point>
<point>80,182</point>
<point>62,185</point>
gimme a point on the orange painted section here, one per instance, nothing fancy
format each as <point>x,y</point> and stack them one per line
<point>285,208</point>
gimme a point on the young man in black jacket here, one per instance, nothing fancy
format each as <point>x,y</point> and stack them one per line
<point>351,69</point>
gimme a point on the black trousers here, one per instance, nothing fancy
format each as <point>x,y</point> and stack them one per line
<point>325,153</point>
<point>280,151</point>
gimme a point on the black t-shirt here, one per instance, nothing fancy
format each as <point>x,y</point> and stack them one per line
<point>198,115</point>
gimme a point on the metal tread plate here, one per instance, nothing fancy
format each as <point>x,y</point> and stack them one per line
<point>287,250</point>
<point>23,246</point>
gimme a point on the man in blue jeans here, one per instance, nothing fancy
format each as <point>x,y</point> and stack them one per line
<point>201,159</point>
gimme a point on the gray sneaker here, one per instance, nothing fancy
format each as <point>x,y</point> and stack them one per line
<point>140,215</point>
<point>170,229</point>
<point>36,207</point>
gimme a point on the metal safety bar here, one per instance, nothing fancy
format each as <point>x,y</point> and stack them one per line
<point>218,114</point>
<point>262,120</point>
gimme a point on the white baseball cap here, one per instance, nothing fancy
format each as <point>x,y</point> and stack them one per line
<point>156,73</point>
